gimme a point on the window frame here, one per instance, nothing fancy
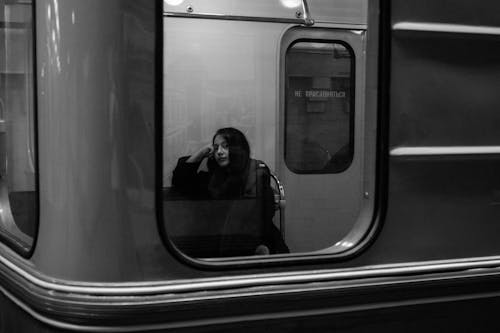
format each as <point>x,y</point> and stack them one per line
<point>363,230</point>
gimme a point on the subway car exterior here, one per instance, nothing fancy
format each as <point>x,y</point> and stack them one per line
<point>378,121</point>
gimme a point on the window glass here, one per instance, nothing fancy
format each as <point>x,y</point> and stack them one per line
<point>258,149</point>
<point>220,77</point>
<point>18,192</point>
<point>319,107</point>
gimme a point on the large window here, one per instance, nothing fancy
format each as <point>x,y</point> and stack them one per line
<point>296,183</point>
<point>18,182</point>
<point>319,113</point>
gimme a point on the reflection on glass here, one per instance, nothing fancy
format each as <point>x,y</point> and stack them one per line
<point>291,3</point>
<point>18,198</point>
<point>173,2</point>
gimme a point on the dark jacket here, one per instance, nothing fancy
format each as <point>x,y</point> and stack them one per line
<point>243,205</point>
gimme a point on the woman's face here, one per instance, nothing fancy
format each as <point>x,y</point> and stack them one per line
<point>221,151</point>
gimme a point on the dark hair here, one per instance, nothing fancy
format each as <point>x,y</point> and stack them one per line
<point>239,149</point>
<point>230,181</point>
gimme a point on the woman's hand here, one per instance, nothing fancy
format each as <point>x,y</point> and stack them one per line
<point>206,151</point>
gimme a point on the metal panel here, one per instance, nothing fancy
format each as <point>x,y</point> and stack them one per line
<point>441,208</point>
<point>283,9</point>
<point>445,87</point>
<point>339,11</point>
<point>443,187</point>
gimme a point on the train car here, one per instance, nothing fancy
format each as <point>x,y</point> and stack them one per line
<point>374,151</point>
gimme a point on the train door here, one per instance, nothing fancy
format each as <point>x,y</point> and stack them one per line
<point>322,159</point>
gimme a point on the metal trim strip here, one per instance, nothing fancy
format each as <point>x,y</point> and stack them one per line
<point>451,150</point>
<point>214,16</point>
<point>445,27</point>
<point>236,319</point>
<point>242,281</point>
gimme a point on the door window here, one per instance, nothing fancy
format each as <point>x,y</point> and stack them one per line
<point>319,115</point>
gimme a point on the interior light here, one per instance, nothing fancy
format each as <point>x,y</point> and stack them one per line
<point>173,2</point>
<point>291,3</point>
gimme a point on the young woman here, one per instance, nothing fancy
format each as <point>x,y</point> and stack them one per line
<point>240,189</point>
